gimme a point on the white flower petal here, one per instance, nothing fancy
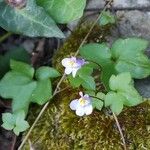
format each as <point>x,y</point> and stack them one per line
<point>73,59</point>
<point>74,71</point>
<point>73,105</point>
<point>81,94</point>
<point>68,70</point>
<point>66,62</point>
<point>88,109</point>
<point>86,96</point>
<point>80,111</point>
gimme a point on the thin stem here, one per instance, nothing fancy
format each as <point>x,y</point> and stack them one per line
<point>61,80</point>
<point>62,90</point>
<point>120,131</point>
<point>5,36</point>
<point>41,112</point>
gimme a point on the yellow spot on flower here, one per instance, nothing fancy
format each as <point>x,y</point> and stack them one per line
<point>71,63</point>
<point>82,101</point>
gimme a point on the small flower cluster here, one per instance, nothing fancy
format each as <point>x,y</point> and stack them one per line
<point>83,105</point>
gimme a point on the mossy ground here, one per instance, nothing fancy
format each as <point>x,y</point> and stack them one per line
<point>60,129</point>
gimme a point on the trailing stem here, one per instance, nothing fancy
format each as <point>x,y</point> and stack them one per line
<point>120,131</point>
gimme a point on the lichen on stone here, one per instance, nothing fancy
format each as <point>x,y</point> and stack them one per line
<point>60,129</point>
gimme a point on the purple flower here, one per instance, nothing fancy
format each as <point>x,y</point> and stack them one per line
<point>72,65</point>
<point>83,105</point>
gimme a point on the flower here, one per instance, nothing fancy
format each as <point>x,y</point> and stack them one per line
<point>72,65</point>
<point>83,105</point>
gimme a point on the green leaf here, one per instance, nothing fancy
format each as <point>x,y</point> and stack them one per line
<point>43,92</point>
<point>107,70</point>
<point>7,126</point>
<point>132,96</point>
<point>120,82</point>
<point>22,67</point>
<point>128,46</point>
<point>85,70</point>
<point>88,82</point>
<point>75,82</point>
<point>22,99</point>
<point>115,101</point>
<point>17,54</point>
<point>18,87</point>
<point>8,121</point>
<point>46,72</point>
<point>63,11</point>
<point>107,18</point>
<point>31,21</point>
<point>98,53</point>
<point>100,95</point>
<point>83,78</point>
<point>96,99</point>
<point>129,57</point>
<point>96,103</point>
<point>15,121</point>
<point>123,93</point>
<point>138,65</point>
<point>21,125</point>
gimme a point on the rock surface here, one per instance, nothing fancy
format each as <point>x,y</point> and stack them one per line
<point>131,3</point>
<point>122,4</point>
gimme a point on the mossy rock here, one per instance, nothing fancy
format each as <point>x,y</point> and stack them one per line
<point>60,129</point>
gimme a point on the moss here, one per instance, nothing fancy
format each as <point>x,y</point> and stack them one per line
<point>60,129</point>
<point>73,42</point>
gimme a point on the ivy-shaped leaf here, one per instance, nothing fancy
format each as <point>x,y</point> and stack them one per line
<point>115,101</point>
<point>88,82</point>
<point>128,46</point>
<point>15,122</point>
<point>84,78</point>
<point>43,92</point>
<point>126,55</point>
<point>20,124</point>
<point>8,121</point>
<point>129,56</point>
<point>75,82</point>
<point>22,67</point>
<point>30,20</point>
<point>63,11</point>
<point>96,103</point>
<point>46,73</point>
<point>19,85</point>
<point>100,54</point>
<point>122,93</point>
<point>97,99</point>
